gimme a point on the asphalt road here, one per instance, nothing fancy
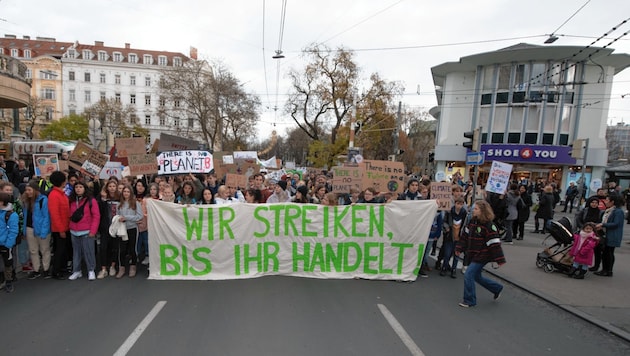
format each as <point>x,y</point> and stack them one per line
<point>286,316</point>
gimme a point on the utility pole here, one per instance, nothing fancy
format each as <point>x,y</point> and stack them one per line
<point>396,131</point>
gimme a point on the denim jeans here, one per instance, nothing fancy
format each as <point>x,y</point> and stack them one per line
<point>472,275</point>
<point>83,246</point>
<point>142,246</point>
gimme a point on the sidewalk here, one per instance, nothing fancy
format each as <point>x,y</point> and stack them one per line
<point>604,301</point>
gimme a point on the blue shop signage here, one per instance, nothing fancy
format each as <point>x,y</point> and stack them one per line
<point>544,154</point>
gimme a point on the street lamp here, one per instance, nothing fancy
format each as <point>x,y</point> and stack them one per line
<point>94,126</point>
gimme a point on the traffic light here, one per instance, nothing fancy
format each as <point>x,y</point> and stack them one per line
<point>357,127</point>
<point>473,144</point>
<point>431,157</point>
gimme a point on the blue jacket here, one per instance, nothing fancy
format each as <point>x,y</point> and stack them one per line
<point>436,226</point>
<point>614,228</point>
<point>10,232</point>
<point>41,217</point>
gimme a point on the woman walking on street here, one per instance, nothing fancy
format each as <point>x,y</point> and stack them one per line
<point>545,209</point>
<point>612,221</point>
<point>480,240</point>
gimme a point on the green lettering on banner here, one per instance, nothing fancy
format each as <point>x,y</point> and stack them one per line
<point>368,258</point>
<point>326,225</point>
<point>357,220</point>
<point>347,267</point>
<point>169,255</point>
<point>338,224</point>
<point>169,260</point>
<point>205,261</point>
<point>276,218</point>
<point>306,221</point>
<point>304,257</point>
<point>196,226</point>
<point>224,222</point>
<point>401,254</point>
<point>378,222</point>
<point>333,258</point>
<point>420,257</point>
<point>263,220</point>
<point>318,259</point>
<point>266,256</point>
<point>292,212</point>
<point>381,259</point>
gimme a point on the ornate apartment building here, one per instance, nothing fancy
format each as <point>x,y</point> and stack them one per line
<point>69,77</point>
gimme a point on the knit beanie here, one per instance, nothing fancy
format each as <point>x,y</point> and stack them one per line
<point>282,184</point>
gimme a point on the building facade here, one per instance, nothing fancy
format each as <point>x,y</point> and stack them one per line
<point>69,77</point>
<point>530,103</point>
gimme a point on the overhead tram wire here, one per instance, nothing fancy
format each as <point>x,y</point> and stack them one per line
<point>278,57</point>
<point>552,37</point>
<point>263,52</point>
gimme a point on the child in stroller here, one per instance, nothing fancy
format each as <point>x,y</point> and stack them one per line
<point>556,257</point>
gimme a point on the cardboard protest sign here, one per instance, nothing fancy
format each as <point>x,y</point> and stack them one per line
<point>178,162</point>
<point>94,163</point>
<point>175,143</point>
<point>442,192</point>
<point>499,177</point>
<point>345,178</point>
<point>142,164</point>
<point>236,180</point>
<point>237,241</point>
<point>110,169</point>
<point>45,164</point>
<point>80,153</point>
<point>130,146</point>
<point>384,176</point>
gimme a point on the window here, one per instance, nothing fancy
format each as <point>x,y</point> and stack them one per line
<point>176,103</point>
<point>147,81</point>
<point>133,118</point>
<point>176,121</point>
<point>87,54</point>
<point>29,73</point>
<point>132,80</point>
<point>103,79</point>
<point>132,58</point>
<point>191,122</point>
<point>88,96</point>
<point>147,119</point>
<point>162,121</point>
<point>27,53</point>
<point>102,56</point>
<point>49,113</point>
<point>118,134</point>
<point>118,57</point>
<point>117,97</point>
<point>86,77</point>
<point>15,52</point>
<point>71,76</point>
<point>162,101</point>
<point>71,53</point>
<point>147,100</point>
<point>162,60</point>
<point>117,78</point>
<point>72,95</point>
<point>103,97</point>
<point>132,98</point>
<point>147,59</point>
<point>177,62</point>
<point>48,94</point>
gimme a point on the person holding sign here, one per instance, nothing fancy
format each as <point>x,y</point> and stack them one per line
<point>480,240</point>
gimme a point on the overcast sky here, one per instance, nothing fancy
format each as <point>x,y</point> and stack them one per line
<point>433,32</point>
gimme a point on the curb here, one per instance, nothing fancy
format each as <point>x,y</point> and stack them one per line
<point>571,309</point>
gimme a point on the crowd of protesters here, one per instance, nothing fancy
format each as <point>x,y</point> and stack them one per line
<point>68,224</point>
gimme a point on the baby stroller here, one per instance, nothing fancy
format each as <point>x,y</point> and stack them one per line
<point>556,257</point>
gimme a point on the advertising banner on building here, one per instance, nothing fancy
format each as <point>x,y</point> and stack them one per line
<point>237,241</point>
<point>545,154</point>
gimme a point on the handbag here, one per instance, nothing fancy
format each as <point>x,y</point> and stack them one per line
<point>535,208</point>
<point>78,214</point>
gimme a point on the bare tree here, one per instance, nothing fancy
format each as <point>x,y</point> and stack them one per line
<point>210,95</point>
<point>116,118</point>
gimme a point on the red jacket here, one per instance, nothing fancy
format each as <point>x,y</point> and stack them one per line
<point>59,209</point>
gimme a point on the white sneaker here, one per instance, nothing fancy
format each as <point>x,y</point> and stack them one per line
<point>91,276</point>
<point>145,261</point>
<point>75,275</point>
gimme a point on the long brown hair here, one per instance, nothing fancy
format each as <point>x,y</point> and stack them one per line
<point>486,213</point>
<point>132,197</point>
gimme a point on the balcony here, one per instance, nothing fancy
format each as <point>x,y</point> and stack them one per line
<point>15,88</point>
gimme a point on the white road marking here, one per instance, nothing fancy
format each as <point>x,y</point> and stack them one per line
<point>135,335</point>
<point>400,331</point>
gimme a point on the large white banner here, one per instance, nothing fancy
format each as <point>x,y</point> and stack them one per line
<point>371,241</point>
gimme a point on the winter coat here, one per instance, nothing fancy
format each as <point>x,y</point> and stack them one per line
<point>583,254</point>
<point>525,208</point>
<point>481,243</point>
<point>41,217</point>
<point>545,206</point>
<point>59,209</point>
<point>132,217</point>
<point>436,227</point>
<point>9,234</point>
<point>614,228</point>
<point>512,200</point>
<point>450,219</point>
<point>91,216</point>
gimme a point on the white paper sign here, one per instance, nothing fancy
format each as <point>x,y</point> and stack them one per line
<point>499,177</point>
<point>178,162</point>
